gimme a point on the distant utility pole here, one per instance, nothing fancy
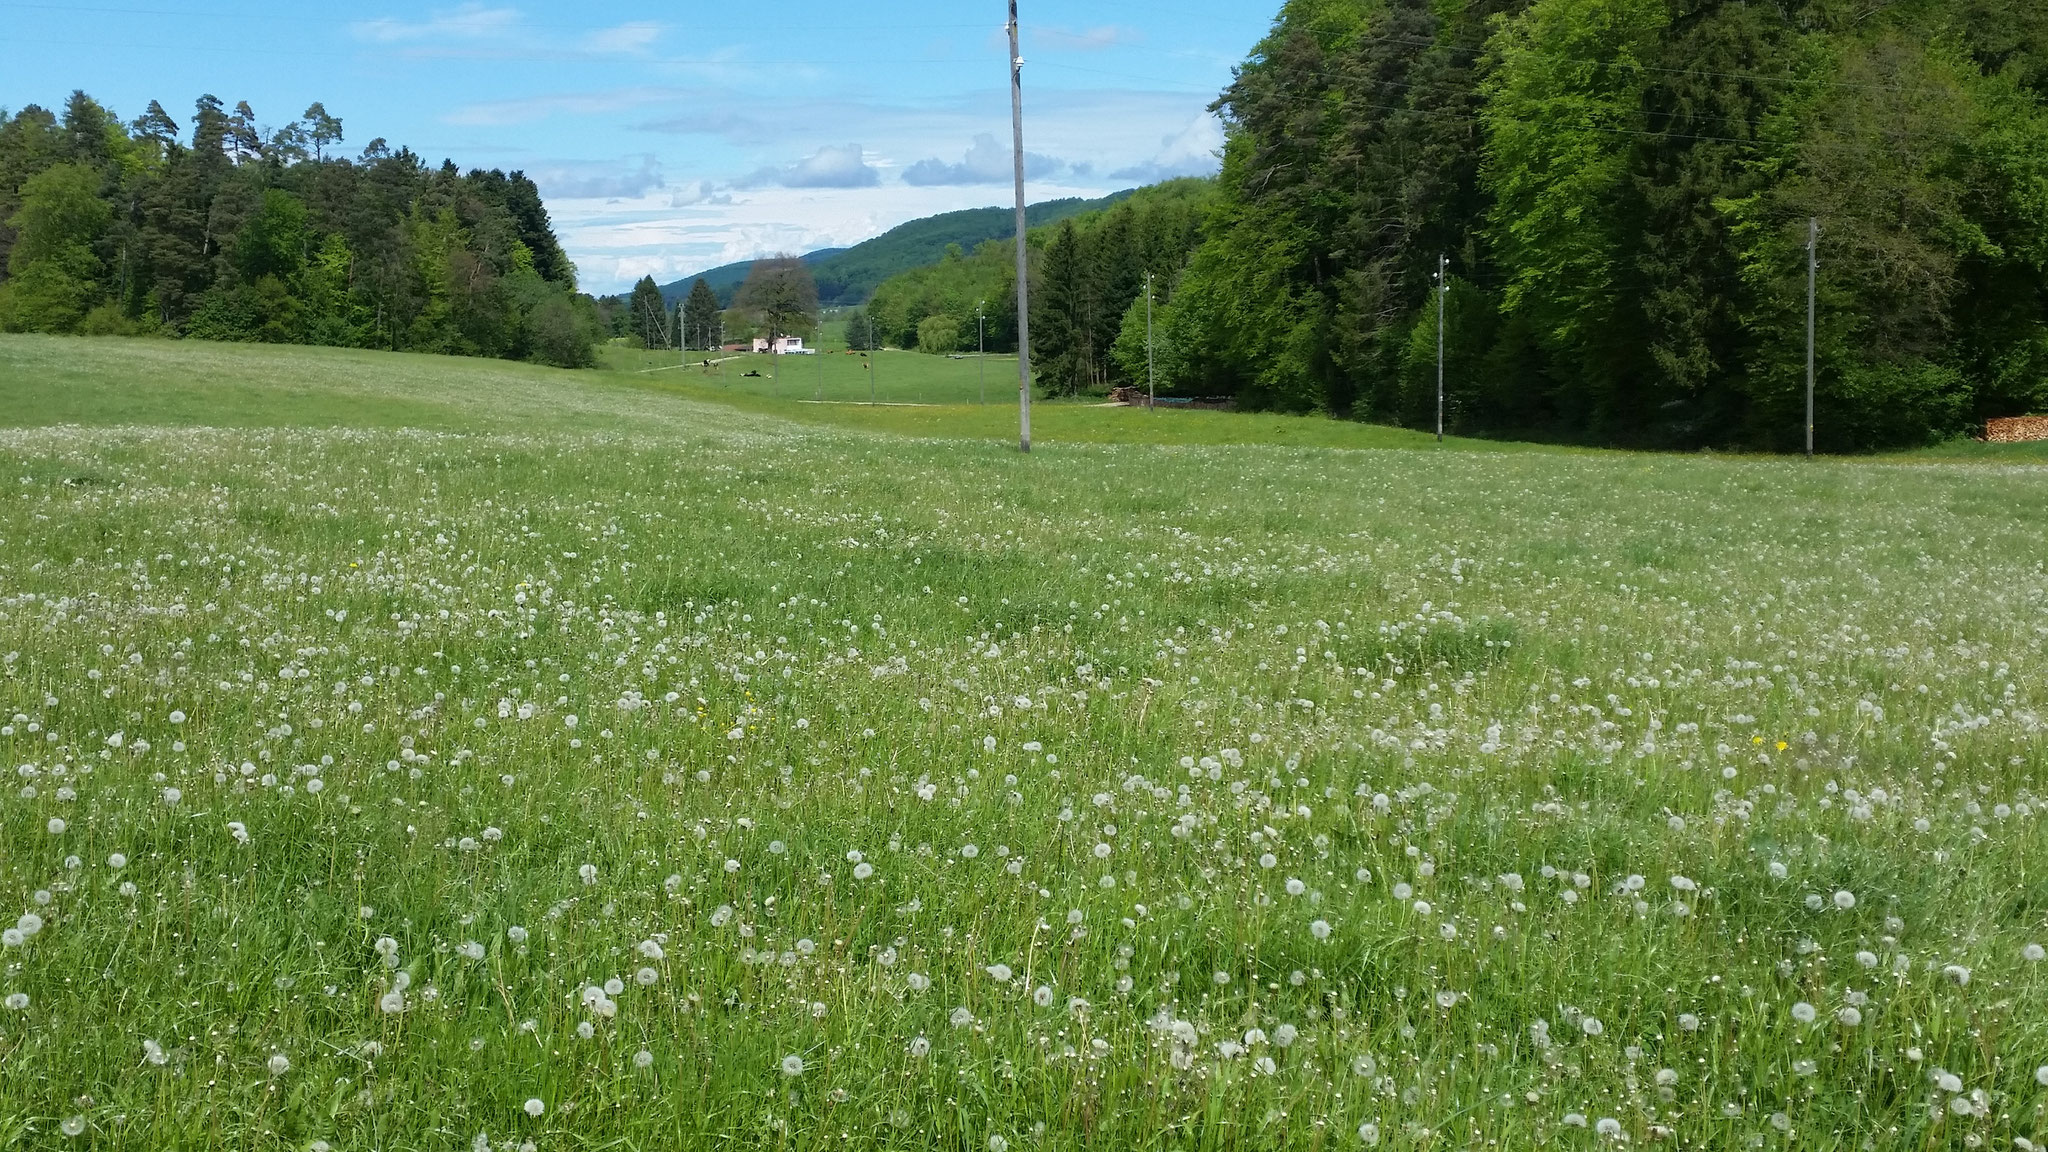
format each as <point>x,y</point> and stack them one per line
<point>874,359</point>
<point>981,344</point>
<point>1151,383</point>
<point>1812,311</point>
<point>1023,258</point>
<point>1443,295</point>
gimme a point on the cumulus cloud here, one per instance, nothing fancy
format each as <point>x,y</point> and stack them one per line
<point>986,162</point>
<point>1192,151</point>
<point>599,184</point>
<point>828,167</point>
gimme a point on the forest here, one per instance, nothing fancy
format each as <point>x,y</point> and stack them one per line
<point>241,232</point>
<point>1624,191</point>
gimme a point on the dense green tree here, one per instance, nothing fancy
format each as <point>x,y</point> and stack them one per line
<point>647,316</point>
<point>53,275</point>
<point>700,315</point>
<point>229,235</point>
<point>780,296</point>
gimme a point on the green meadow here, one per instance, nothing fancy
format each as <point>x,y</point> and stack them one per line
<point>413,753</point>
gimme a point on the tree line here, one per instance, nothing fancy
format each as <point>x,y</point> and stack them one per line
<point>1623,189</point>
<point>245,233</point>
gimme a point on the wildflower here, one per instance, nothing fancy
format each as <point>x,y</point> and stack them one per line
<point>2033,953</point>
<point>1285,1035</point>
<point>29,924</point>
<point>153,1053</point>
<point>1609,1127</point>
<point>1591,1026</point>
<point>961,1017</point>
<point>280,1064</point>
<point>1803,1012</point>
<point>1320,929</point>
<point>1042,996</point>
<point>998,1144</point>
<point>516,934</point>
<point>919,1047</point>
<point>588,873</point>
<point>2041,1075</point>
<point>792,1065</point>
<point>1845,900</point>
<point>239,831</point>
<point>56,826</point>
<point>17,1001</point>
<point>472,950</point>
<point>73,1126</point>
<point>534,1108</point>
<point>1001,972</point>
<point>1369,1134</point>
<point>863,870</point>
<point>117,861</point>
<point>1850,1016</point>
<point>643,1059</point>
<point>1688,1022</point>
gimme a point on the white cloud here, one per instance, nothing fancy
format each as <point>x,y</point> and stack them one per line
<point>1192,151</point>
<point>986,162</point>
<point>631,39</point>
<point>1084,39</point>
<point>587,182</point>
<point>526,111</point>
<point>469,23</point>
<point>829,167</point>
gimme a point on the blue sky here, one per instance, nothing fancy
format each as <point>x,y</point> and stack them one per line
<point>669,138</point>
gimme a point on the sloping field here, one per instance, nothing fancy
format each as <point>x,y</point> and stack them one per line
<point>414,753</point>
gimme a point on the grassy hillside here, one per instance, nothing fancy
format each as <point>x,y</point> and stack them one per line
<point>591,764</point>
<point>848,276</point>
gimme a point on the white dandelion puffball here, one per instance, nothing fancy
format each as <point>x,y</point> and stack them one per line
<point>534,1108</point>
<point>920,1047</point>
<point>588,873</point>
<point>1001,972</point>
<point>2034,953</point>
<point>1845,900</point>
<point>117,861</point>
<point>280,1064</point>
<point>516,934</point>
<point>172,796</point>
<point>153,1053</point>
<point>471,950</point>
<point>998,1144</point>
<point>1369,1134</point>
<point>1592,1026</point>
<point>1803,1012</point>
<point>12,938</point>
<point>29,924</point>
<point>1042,996</point>
<point>863,870</point>
<point>792,1065</point>
<point>1850,1017</point>
<point>643,1059</point>
<point>961,1017</point>
<point>17,1002</point>
<point>73,1126</point>
<point>56,826</point>
<point>2041,1075</point>
<point>1608,1126</point>
<point>177,717</point>
<point>1320,929</point>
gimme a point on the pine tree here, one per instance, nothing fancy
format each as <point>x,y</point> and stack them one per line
<point>700,315</point>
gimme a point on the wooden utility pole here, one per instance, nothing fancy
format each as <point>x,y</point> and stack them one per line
<point>1812,313</point>
<point>1443,295</point>
<point>1023,257</point>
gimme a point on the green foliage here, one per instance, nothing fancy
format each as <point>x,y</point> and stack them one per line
<point>938,335</point>
<point>1623,188</point>
<point>112,228</point>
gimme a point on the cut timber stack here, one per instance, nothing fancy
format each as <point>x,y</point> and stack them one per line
<point>2016,430</point>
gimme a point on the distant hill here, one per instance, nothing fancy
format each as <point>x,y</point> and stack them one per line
<point>849,276</point>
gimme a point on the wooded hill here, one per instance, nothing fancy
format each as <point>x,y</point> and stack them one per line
<point>244,233</point>
<point>848,276</point>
